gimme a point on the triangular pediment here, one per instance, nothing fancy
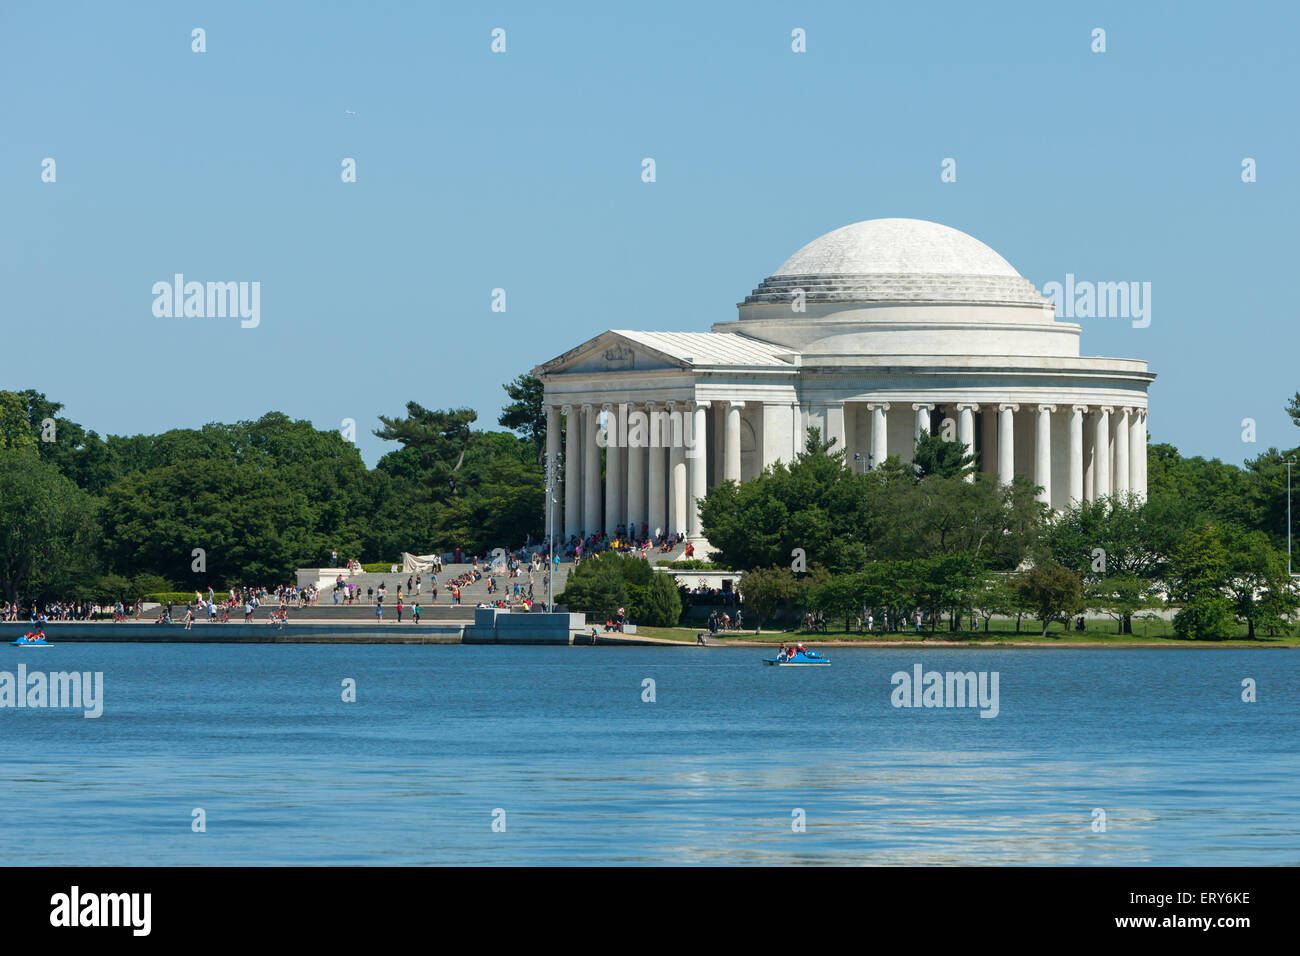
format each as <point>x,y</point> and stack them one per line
<point>611,352</point>
<point>621,350</point>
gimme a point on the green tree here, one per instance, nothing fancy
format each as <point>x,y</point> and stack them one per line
<point>47,528</point>
<point>441,438</point>
<point>15,431</point>
<point>661,605</point>
<point>525,413</point>
<point>1206,616</point>
<point>1053,591</point>
<point>933,455</point>
<point>765,589</point>
<point>1120,596</point>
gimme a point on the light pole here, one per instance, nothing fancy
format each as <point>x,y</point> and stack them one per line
<point>1289,463</point>
<point>867,462</point>
<point>552,485</point>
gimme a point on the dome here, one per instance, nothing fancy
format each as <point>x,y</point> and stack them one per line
<point>898,261</point>
<point>896,247</point>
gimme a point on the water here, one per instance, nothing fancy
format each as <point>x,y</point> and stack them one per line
<point>711,772</point>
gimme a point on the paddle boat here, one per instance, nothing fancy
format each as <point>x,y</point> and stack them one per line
<point>797,658</point>
<point>32,639</point>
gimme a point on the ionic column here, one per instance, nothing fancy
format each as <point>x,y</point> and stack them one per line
<point>731,446</point>
<point>590,471</point>
<point>657,490</point>
<point>922,420</point>
<point>1043,453</point>
<point>966,430</point>
<point>1137,454</point>
<point>1121,452</point>
<point>1076,453</point>
<point>636,462</point>
<point>699,468</point>
<point>552,453</point>
<point>1006,442</point>
<point>613,466</point>
<point>572,471</point>
<point>1101,453</point>
<point>879,432</point>
<point>835,426</point>
<point>676,482</point>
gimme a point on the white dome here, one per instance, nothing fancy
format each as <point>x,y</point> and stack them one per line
<point>896,247</point>
<point>895,260</point>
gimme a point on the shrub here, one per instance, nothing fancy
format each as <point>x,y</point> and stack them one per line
<point>661,605</point>
<point>1204,617</point>
<point>175,597</point>
<point>379,567</point>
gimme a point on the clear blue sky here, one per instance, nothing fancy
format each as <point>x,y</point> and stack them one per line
<point>522,171</point>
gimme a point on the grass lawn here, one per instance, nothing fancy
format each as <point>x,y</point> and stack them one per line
<point>1099,631</point>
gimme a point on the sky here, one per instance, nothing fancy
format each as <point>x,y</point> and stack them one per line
<point>522,170</point>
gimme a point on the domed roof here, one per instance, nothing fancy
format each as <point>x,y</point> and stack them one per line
<point>896,247</point>
<point>899,261</point>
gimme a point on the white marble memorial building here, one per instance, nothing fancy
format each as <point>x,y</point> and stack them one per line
<point>872,333</point>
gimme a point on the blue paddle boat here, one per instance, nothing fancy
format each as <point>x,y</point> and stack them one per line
<point>798,659</point>
<point>32,640</point>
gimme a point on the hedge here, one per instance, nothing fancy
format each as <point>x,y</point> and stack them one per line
<point>175,597</point>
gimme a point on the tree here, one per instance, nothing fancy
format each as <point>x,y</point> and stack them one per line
<point>837,596</point>
<point>596,587</point>
<point>1053,591</point>
<point>994,596</point>
<point>765,589</point>
<point>251,525</point>
<point>814,504</point>
<point>441,438</point>
<point>525,414</point>
<point>47,528</point>
<point>15,432</point>
<point>1206,616</point>
<point>934,455</point>
<point>1120,596</point>
<point>1260,590</point>
<point>661,605</point>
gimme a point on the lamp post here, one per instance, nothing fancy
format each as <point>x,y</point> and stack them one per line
<point>552,486</point>
<point>867,462</point>
<point>1289,463</point>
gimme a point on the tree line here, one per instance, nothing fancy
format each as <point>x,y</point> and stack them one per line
<point>102,518</point>
<point>938,538</point>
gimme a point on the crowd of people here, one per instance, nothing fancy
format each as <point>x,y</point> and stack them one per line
<point>624,540</point>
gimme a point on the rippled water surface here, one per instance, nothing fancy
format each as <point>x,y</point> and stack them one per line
<point>712,771</point>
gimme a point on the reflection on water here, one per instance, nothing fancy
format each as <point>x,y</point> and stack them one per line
<point>710,773</point>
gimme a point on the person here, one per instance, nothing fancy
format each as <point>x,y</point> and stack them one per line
<point>370,595</point>
<point>399,604</point>
<point>189,616</point>
<point>379,612</point>
<point>699,639</point>
<point>415,613</point>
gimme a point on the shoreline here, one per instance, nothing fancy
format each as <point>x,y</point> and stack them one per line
<point>322,631</point>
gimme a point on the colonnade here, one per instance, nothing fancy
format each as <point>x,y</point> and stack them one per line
<point>657,455</point>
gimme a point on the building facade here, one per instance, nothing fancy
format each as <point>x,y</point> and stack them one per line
<point>873,333</point>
